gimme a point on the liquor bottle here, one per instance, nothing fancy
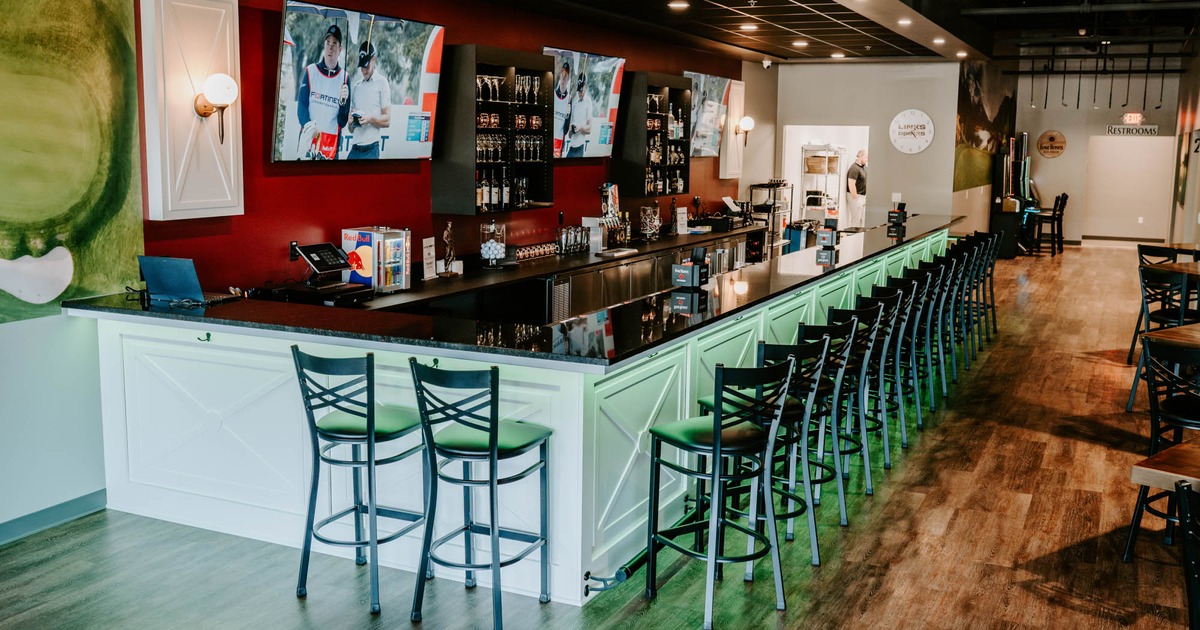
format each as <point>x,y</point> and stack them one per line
<point>627,228</point>
<point>671,123</point>
<point>679,180</point>
<point>478,193</point>
<point>505,189</point>
<point>658,185</point>
<point>493,191</point>
<point>649,182</point>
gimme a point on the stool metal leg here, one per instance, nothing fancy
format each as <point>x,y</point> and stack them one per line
<point>791,486</point>
<point>360,555</point>
<point>468,522</point>
<point>837,466</point>
<point>883,417</point>
<point>772,534</point>
<point>752,523</point>
<point>916,384</point>
<point>714,516</point>
<point>1138,508</point>
<point>373,525</point>
<point>806,479</point>
<point>1137,330</point>
<point>652,524</point>
<point>1137,376</point>
<point>494,508</point>
<point>302,580</point>
<point>543,481</point>
<point>425,567</point>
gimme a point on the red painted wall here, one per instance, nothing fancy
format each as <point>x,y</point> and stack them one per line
<point>311,202</point>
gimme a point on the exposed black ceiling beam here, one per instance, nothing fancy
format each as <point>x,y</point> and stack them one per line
<point>1100,39</point>
<point>1085,8</point>
<point>1100,71</point>
<point>1097,54</point>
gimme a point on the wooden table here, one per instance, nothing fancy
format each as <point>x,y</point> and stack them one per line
<point>1185,336</point>
<point>1192,269</point>
<point>1178,463</point>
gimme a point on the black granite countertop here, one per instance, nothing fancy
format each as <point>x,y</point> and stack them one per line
<point>636,327</point>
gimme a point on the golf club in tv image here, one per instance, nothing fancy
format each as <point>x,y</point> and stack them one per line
<point>587,90</point>
<point>355,85</point>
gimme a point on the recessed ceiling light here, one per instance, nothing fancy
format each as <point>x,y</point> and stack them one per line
<point>678,4</point>
<point>939,40</point>
<point>749,27</point>
<point>904,22</point>
<point>800,43</point>
<point>960,54</point>
<point>838,55</point>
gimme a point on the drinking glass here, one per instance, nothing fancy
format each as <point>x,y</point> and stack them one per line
<point>479,87</point>
<point>537,88</point>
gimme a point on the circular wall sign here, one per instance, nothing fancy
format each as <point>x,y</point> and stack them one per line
<point>1051,144</point>
<point>911,131</point>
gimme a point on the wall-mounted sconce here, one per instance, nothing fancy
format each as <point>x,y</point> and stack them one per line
<point>218,92</point>
<point>743,128</point>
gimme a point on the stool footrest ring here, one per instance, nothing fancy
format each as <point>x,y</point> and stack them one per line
<point>536,542</point>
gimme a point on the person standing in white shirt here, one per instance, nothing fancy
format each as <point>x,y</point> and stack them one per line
<point>371,107</point>
<point>856,192</point>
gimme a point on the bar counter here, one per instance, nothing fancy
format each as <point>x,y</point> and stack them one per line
<point>203,423</point>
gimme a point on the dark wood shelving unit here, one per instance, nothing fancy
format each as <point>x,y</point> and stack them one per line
<point>650,149</point>
<point>465,148</point>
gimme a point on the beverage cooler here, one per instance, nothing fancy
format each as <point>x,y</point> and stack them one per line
<point>379,257</point>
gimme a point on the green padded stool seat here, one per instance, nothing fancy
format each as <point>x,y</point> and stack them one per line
<point>697,434</point>
<point>390,421</point>
<point>347,428</point>
<point>513,438</point>
<point>464,408</point>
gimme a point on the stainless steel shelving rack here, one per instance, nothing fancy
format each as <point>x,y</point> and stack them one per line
<point>821,168</point>
<point>770,205</point>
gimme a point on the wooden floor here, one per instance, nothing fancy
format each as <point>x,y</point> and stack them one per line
<point>1008,511</point>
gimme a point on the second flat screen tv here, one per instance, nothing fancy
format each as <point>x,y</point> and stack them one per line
<point>587,89</point>
<point>355,85</point>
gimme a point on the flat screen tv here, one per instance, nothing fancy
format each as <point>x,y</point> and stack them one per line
<point>710,100</point>
<point>355,85</point>
<point>587,90</point>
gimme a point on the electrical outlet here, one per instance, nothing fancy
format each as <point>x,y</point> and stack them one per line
<point>1139,220</point>
<point>293,251</point>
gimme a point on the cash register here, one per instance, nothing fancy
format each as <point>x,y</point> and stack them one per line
<point>323,284</point>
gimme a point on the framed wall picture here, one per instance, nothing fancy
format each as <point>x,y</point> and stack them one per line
<point>710,101</point>
<point>587,91</point>
<point>355,85</point>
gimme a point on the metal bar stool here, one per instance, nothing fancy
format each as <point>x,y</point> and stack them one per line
<point>791,445</point>
<point>467,403</point>
<point>825,410</point>
<point>858,376</point>
<point>346,388</point>
<point>744,425</point>
<point>901,376</point>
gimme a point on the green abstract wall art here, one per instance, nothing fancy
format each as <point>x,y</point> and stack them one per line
<point>70,181</point>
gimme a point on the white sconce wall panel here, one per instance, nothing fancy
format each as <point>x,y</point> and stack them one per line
<point>733,144</point>
<point>190,173</point>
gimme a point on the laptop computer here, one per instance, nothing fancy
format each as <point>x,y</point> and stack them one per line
<point>174,281</point>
